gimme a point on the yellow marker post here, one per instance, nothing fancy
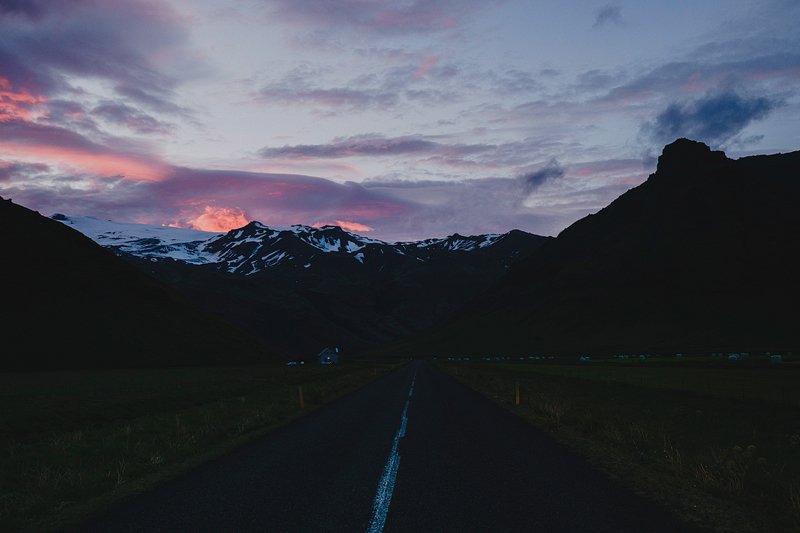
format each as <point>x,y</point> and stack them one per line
<point>300,394</point>
<point>516,393</point>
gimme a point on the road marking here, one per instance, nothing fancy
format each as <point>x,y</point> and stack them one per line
<point>380,507</point>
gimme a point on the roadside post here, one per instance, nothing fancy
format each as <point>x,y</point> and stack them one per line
<point>300,395</point>
<point>516,393</point>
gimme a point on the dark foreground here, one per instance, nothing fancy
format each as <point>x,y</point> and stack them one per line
<point>464,464</point>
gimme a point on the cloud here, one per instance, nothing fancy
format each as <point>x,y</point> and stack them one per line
<point>426,66</point>
<point>353,146</point>
<point>303,86</point>
<point>608,14</point>
<point>57,145</point>
<point>714,118</point>
<point>513,81</point>
<point>704,73</point>
<point>46,45</point>
<point>218,219</point>
<point>368,145</point>
<point>29,8</point>
<point>385,17</point>
<point>533,180</point>
<point>420,156</point>
<point>381,89</point>
<point>131,117</point>
<point>17,103</point>
<point>348,225</point>
<point>15,169</point>
<point>336,97</point>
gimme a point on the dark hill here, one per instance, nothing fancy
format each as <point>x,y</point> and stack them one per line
<point>701,256</point>
<point>69,303</point>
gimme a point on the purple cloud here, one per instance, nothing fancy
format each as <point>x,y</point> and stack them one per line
<point>131,117</point>
<point>427,83</point>
<point>14,169</point>
<point>44,43</point>
<point>335,97</point>
<point>24,139</point>
<point>373,145</point>
<point>28,8</point>
<point>700,76</point>
<point>380,16</point>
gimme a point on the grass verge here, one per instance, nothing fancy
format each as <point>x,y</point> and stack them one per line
<point>719,448</point>
<point>71,443</point>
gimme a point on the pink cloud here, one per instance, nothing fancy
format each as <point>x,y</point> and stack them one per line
<point>426,66</point>
<point>219,219</point>
<point>347,225</point>
<point>16,104</point>
<point>39,141</point>
<point>98,164</point>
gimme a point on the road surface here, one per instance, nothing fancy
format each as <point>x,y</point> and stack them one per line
<point>412,451</point>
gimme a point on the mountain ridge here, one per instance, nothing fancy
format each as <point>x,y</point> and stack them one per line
<point>256,247</point>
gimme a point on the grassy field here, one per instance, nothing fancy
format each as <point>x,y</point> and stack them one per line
<point>73,442</point>
<point>717,443</point>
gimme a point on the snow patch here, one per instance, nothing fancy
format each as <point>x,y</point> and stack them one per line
<point>143,240</point>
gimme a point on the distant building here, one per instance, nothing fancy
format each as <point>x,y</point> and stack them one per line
<point>329,356</point>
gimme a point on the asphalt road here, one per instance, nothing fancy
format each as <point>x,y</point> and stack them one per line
<point>435,456</point>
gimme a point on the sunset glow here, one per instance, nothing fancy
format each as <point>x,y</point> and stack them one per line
<point>16,104</point>
<point>219,219</point>
<point>346,225</point>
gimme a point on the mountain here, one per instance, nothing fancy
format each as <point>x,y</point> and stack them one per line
<point>701,257</point>
<point>301,288</point>
<point>255,247</point>
<point>157,242</point>
<point>69,303</point>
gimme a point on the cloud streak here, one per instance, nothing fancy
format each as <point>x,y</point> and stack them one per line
<point>23,139</point>
<point>702,75</point>
<point>390,17</point>
<point>373,145</point>
<point>132,118</point>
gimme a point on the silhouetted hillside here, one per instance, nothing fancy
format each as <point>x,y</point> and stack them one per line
<point>69,303</point>
<point>701,256</point>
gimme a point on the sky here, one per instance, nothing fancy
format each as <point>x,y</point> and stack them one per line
<point>397,119</point>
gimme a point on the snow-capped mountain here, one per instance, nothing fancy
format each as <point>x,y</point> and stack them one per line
<point>256,247</point>
<point>143,240</point>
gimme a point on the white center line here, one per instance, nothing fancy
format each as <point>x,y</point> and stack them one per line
<point>383,497</point>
